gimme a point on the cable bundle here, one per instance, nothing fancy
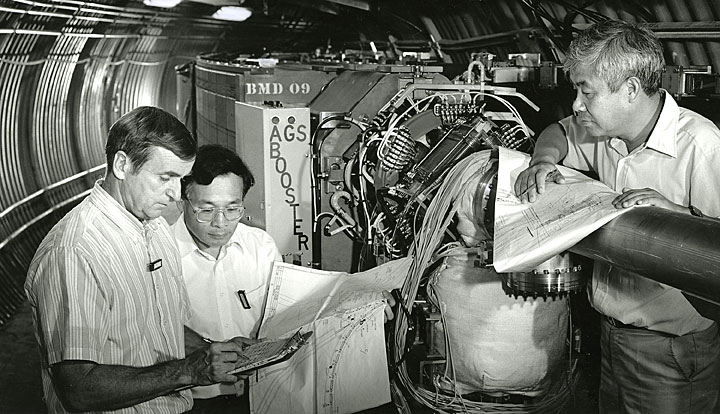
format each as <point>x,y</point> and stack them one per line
<point>427,250</point>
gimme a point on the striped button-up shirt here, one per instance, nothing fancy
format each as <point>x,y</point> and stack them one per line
<point>94,297</point>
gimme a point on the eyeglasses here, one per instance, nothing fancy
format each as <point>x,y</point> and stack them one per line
<point>206,215</point>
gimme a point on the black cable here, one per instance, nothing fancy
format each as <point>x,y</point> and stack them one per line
<point>314,184</point>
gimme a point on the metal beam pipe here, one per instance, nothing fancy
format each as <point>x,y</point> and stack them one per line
<point>676,249</point>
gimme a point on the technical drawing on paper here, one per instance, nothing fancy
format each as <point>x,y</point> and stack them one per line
<point>528,234</point>
<point>346,313</point>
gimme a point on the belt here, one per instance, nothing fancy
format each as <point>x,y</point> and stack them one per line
<point>502,399</point>
<point>616,323</point>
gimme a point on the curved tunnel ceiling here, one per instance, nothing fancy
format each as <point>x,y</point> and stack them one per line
<point>69,68</point>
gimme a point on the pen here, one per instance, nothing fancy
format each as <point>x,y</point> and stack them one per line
<point>243,299</point>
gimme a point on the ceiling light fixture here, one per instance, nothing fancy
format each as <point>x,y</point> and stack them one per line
<point>166,4</point>
<point>233,13</point>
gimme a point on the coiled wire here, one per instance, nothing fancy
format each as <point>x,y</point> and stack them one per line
<point>398,150</point>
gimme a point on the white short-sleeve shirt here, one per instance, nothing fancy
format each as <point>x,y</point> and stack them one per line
<point>681,160</point>
<point>214,285</point>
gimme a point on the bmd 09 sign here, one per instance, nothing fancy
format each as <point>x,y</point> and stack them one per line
<point>275,143</point>
<point>286,86</point>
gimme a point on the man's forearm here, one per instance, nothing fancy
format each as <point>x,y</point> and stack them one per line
<point>86,386</point>
<point>551,146</point>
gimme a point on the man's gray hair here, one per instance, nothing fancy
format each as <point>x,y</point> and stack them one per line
<point>616,51</point>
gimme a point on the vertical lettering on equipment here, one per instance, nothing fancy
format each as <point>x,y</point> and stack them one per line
<point>288,131</point>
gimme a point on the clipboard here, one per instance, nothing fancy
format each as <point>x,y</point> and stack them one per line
<point>270,352</point>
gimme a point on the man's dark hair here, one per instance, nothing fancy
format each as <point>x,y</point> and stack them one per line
<point>145,127</point>
<point>214,160</point>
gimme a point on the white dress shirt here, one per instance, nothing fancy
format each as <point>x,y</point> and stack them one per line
<point>244,264</point>
<point>681,160</point>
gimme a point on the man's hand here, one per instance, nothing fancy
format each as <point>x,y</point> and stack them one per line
<point>244,343</point>
<point>212,363</point>
<point>390,303</point>
<point>644,197</point>
<point>531,182</point>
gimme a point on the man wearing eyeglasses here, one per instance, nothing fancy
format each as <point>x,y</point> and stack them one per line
<point>226,264</point>
<point>108,302</point>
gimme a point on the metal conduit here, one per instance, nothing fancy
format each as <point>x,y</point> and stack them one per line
<point>126,12</point>
<point>55,161</point>
<point>520,14</point>
<point>117,74</point>
<point>621,12</point>
<point>42,216</point>
<point>131,81</point>
<point>508,14</point>
<point>117,18</point>
<point>677,49</point>
<point>13,183</point>
<point>703,12</point>
<point>459,23</point>
<point>92,121</point>
<point>14,260</point>
<point>9,138</point>
<point>50,187</point>
<point>66,16</point>
<point>89,122</point>
<point>18,247</point>
<point>61,161</point>
<point>8,145</point>
<point>40,127</point>
<point>66,71</point>
<point>147,82</point>
<point>143,81</point>
<point>51,82</point>
<point>140,74</point>
<point>98,35</point>
<point>695,49</point>
<point>676,249</point>
<point>99,8</point>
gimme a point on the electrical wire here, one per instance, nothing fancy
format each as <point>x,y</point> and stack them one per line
<point>314,164</point>
<point>438,217</point>
<point>509,106</point>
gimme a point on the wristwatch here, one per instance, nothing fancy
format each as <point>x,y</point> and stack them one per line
<point>696,211</point>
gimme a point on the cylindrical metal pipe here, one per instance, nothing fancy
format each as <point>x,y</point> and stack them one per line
<point>679,250</point>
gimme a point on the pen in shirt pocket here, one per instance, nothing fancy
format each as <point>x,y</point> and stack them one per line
<point>243,299</point>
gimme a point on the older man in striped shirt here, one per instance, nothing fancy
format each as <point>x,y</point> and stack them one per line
<point>106,289</point>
